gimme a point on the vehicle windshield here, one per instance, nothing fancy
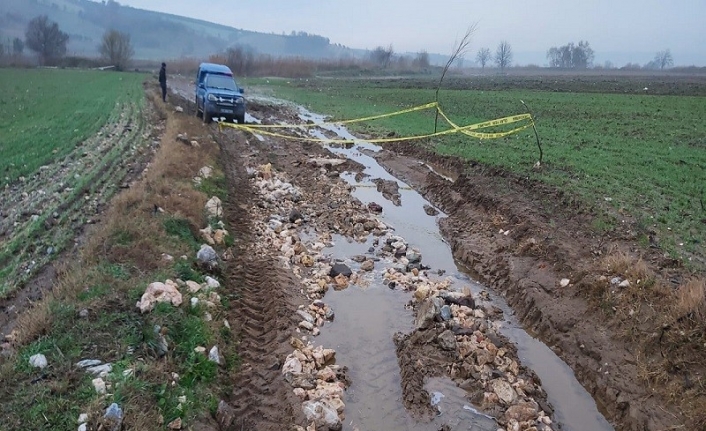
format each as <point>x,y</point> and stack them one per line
<point>221,82</point>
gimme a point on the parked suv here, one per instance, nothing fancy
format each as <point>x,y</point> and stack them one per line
<point>217,94</point>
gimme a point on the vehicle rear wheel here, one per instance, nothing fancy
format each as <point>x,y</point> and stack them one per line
<point>240,119</point>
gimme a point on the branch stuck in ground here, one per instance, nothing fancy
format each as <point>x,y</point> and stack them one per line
<point>459,51</point>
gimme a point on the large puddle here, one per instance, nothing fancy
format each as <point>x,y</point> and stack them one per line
<point>367,318</point>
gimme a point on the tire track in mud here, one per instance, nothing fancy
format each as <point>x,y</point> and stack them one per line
<point>260,314</point>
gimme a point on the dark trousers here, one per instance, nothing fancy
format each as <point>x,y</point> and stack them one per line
<point>164,90</point>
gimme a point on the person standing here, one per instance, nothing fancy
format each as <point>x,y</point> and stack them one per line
<point>163,81</point>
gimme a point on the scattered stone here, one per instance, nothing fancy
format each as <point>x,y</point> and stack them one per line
<point>159,292</point>
<point>207,257</point>
<point>564,282</point>
<point>219,236</point>
<point>615,281</point>
<point>183,138</point>
<point>214,207</point>
<point>38,361</point>
<point>341,282</point>
<point>322,162</point>
<point>292,365</point>
<point>85,363</point>
<point>113,418</point>
<point>522,412</point>
<point>504,391</point>
<point>427,312</point>
<point>445,313</point>
<point>306,316</point>
<point>368,265</point>
<point>624,283</point>
<point>179,109</point>
<point>295,215</point>
<point>100,370</point>
<point>175,424</point>
<point>83,313</point>
<point>340,269</point>
<point>422,293</point>
<point>83,427</point>
<point>193,286</point>
<point>206,172</point>
<point>82,418</point>
<point>414,256</point>
<point>212,283</point>
<point>375,208</point>
<point>322,414</point>
<point>430,210</point>
<point>99,385</point>
<point>306,325</point>
<point>214,355</point>
<point>447,340</point>
<point>458,298</point>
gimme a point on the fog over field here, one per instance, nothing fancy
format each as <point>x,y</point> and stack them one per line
<point>619,31</point>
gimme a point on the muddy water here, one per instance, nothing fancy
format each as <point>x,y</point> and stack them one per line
<point>366,319</point>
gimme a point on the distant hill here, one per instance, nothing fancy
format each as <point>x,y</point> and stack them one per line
<point>155,35</point>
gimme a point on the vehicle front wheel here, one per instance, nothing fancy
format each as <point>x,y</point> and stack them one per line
<point>206,116</point>
<point>199,114</point>
<point>240,119</point>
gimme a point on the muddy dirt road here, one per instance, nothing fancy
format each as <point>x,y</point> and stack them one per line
<point>446,268</point>
<point>419,345</point>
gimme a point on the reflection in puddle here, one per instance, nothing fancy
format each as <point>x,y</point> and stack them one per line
<point>361,334</point>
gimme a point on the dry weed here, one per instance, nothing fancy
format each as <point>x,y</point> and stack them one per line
<point>33,323</point>
<point>623,263</point>
<point>691,299</point>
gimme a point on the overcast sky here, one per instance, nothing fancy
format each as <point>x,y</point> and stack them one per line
<point>618,30</point>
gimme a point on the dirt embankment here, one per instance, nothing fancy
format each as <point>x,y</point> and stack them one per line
<point>579,292</point>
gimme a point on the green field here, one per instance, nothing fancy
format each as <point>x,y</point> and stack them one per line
<point>44,114</point>
<point>63,134</point>
<point>641,154</point>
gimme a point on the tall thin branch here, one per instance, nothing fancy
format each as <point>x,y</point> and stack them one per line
<point>460,50</point>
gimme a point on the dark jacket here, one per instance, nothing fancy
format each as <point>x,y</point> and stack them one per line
<point>163,75</point>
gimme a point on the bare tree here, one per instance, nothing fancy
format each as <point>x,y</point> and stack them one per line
<point>241,59</point>
<point>571,56</point>
<point>664,59</point>
<point>18,47</point>
<point>117,49</point>
<point>458,52</point>
<point>44,37</point>
<point>503,55</point>
<point>422,60</point>
<point>382,56</point>
<point>483,57</point>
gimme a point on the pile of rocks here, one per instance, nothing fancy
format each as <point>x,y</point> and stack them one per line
<point>319,383</point>
<point>314,316</point>
<point>484,367</point>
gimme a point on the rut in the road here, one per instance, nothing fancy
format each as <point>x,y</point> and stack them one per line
<point>260,316</point>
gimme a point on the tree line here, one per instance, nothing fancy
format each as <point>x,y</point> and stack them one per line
<point>48,42</point>
<point>44,37</point>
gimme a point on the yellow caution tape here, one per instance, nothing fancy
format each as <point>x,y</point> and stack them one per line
<point>466,130</point>
<point>357,120</point>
